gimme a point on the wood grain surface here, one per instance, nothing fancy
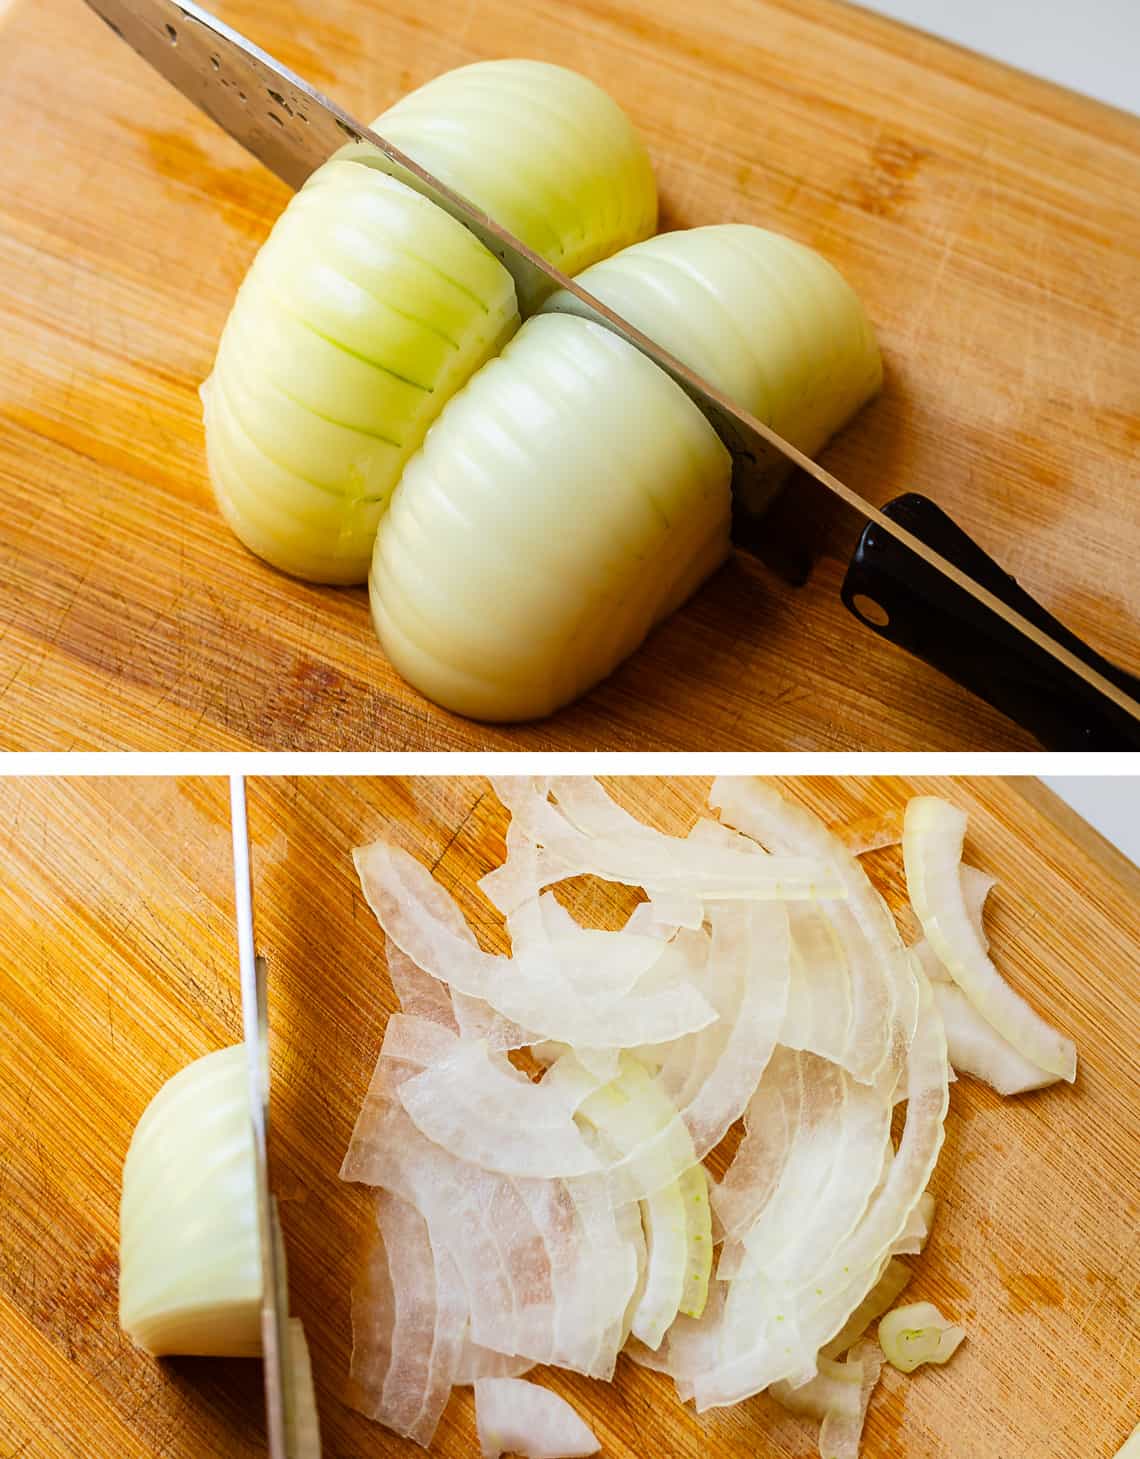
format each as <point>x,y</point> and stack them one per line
<point>117,966</point>
<point>991,222</point>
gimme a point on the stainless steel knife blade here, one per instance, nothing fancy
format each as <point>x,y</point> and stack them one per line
<point>255,1025</point>
<point>293,128</point>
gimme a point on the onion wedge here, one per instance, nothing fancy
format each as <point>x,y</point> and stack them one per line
<point>932,851</point>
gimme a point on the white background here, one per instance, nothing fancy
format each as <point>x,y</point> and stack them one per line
<point>1092,46</point>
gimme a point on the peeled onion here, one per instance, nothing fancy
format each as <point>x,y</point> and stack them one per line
<point>541,149</point>
<point>189,1248</point>
<point>364,311</point>
<point>766,319</point>
<point>565,501</point>
<point>190,1269</point>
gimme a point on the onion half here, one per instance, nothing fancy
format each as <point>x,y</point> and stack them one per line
<point>566,501</point>
<point>767,320</point>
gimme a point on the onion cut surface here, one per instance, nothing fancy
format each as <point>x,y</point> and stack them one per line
<point>572,1203</point>
<point>363,313</point>
<point>190,1269</point>
<point>189,1248</point>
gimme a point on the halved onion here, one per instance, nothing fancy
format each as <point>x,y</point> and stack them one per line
<point>541,149</point>
<point>567,500</point>
<point>189,1247</point>
<point>916,1334</point>
<point>932,849</point>
<point>190,1269</point>
<point>364,311</point>
<point>769,321</point>
<point>514,1416</point>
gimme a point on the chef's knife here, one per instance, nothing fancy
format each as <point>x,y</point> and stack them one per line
<point>255,1025</point>
<point>293,128</point>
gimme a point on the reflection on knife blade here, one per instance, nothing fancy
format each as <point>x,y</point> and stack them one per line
<point>292,128</point>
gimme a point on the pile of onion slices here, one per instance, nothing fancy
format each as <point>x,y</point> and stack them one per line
<point>538,1125</point>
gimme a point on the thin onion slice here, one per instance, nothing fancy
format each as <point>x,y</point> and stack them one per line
<point>881,1298</point>
<point>517,1417</point>
<point>883,986</point>
<point>916,1334</point>
<point>640,856</point>
<point>840,1433</point>
<point>420,917</point>
<point>932,851</point>
<point>409,1317</point>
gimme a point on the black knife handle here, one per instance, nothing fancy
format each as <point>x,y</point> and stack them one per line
<point>891,589</point>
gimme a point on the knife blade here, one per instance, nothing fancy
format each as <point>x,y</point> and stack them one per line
<point>255,1026</point>
<point>293,128</point>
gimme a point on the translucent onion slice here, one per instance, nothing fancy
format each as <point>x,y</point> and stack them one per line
<point>916,1334</point>
<point>881,1298</point>
<point>420,995</point>
<point>514,1416</point>
<point>766,319</point>
<point>841,1432</point>
<point>884,995</point>
<point>819,1013</point>
<point>767,1333</point>
<point>482,1109</point>
<point>477,1362</point>
<point>872,833</point>
<point>617,524</point>
<point>548,1274</point>
<point>638,855</point>
<point>422,919</point>
<point>409,1316</point>
<point>916,1232</point>
<point>835,1389</point>
<point>364,311</point>
<point>711,1076</point>
<point>189,1248</point>
<point>976,1047</point>
<point>541,149</point>
<point>932,851</point>
<point>976,887</point>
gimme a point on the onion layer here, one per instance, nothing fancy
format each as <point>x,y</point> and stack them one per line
<point>541,149</point>
<point>916,1334</point>
<point>364,311</point>
<point>933,833</point>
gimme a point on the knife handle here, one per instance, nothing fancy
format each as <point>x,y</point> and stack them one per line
<point>892,590</point>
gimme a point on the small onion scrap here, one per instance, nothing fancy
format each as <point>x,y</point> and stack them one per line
<point>916,1334</point>
<point>567,1214</point>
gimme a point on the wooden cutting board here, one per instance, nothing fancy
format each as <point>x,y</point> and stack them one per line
<point>117,968</point>
<point>990,221</point>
